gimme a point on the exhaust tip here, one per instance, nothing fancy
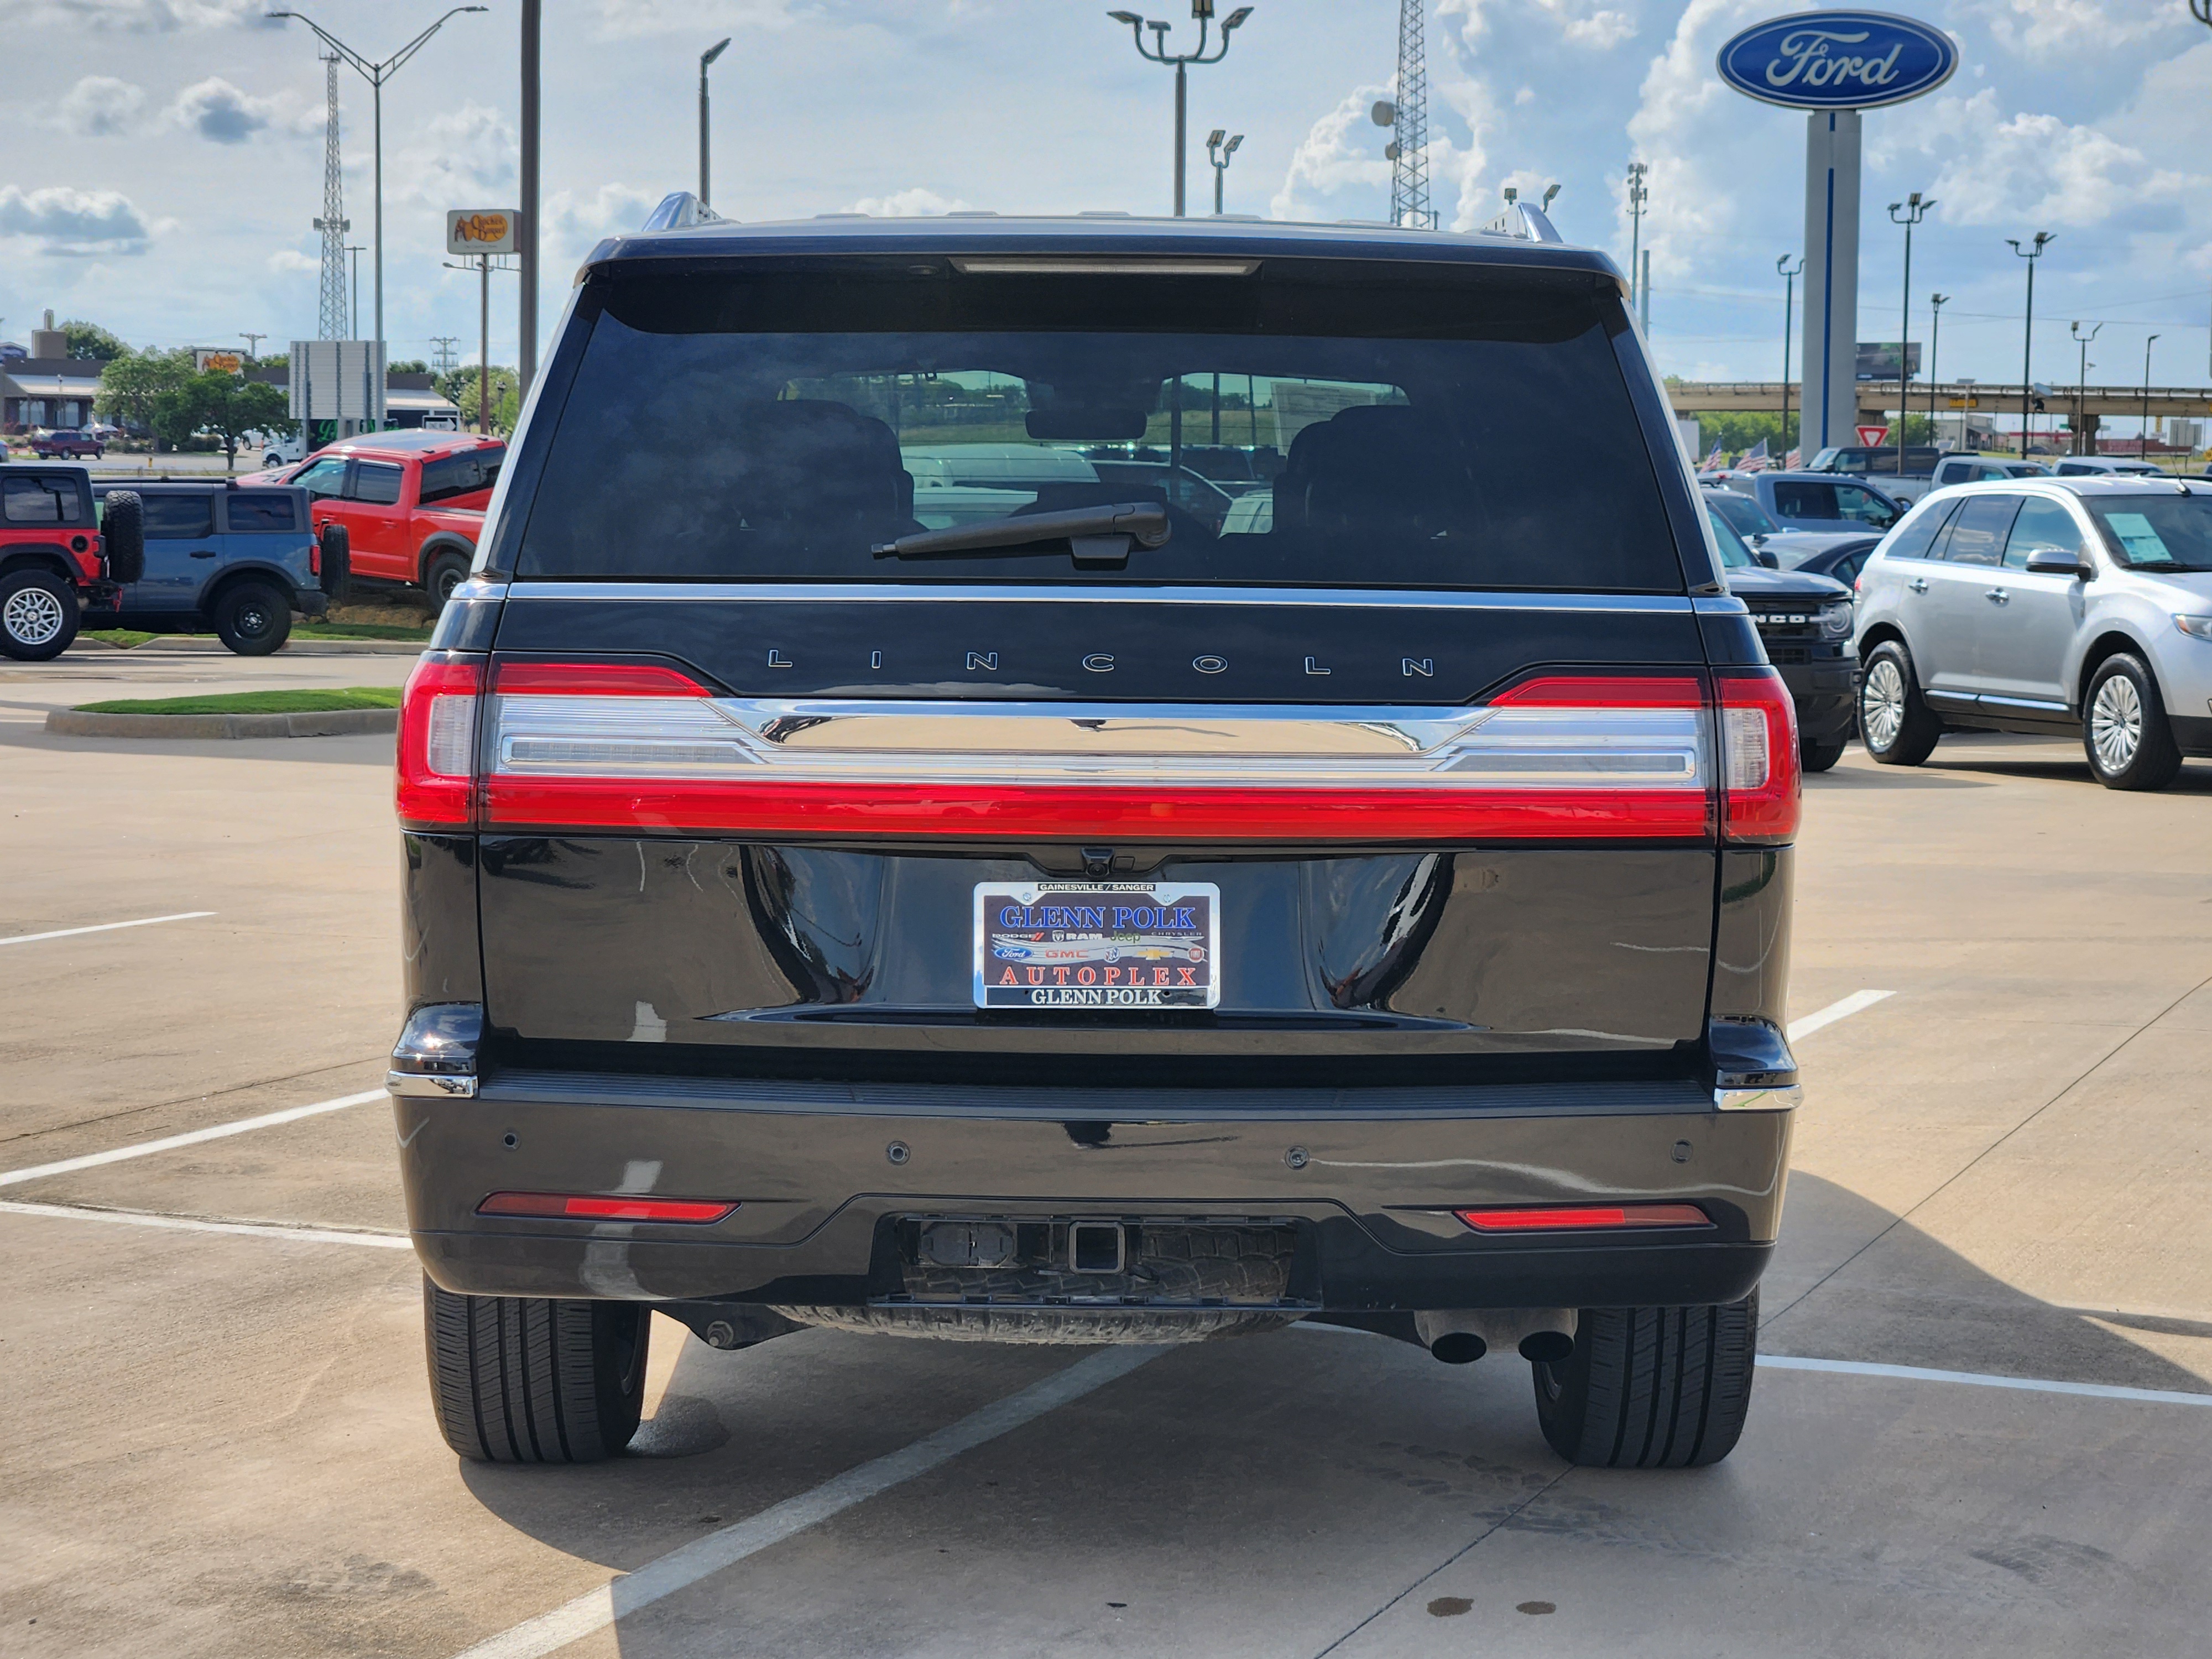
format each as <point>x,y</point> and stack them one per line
<point>1459,1348</point>
<point>1547,1347</point>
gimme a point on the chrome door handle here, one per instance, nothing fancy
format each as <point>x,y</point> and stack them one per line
<point>1918,584</point>
<point>1997,596</point>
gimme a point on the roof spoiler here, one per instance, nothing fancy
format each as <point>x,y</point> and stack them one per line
<point>1520,220</point>
<point>680,211</point>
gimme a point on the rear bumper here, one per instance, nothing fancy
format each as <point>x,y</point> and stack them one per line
<point>1367,1181</point>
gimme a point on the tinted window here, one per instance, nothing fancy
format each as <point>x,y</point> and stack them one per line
<point>250,510</point>
<point>324,478</point>
<point>1916,537</point>
<point>376,483</point>
<point>460,475</point>
<point>178,517</point>
<point>2157,532</point>
<point>41,498</point>
<point>1794,499</point>
<point>2042,526</point>
<point>1977,536</point>
<point>772,426</point>
<point>1735,554</point>
<point>1863,507</point>
<point>1745,516</point>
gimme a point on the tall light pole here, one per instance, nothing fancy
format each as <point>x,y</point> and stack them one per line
<point>1936,304</point>
<point>2042,239</point>
<point>354,249</point>
<point>376,74</point>
<point>2081,387</point>
<point>1218,152</point>
<point>2142,446</point>
<point>1158,53</point>
<point>1789,275</point>
<point>706,61</point>
<point>1914,209</point>
<point>526,243</point>
<point>1638,194</point>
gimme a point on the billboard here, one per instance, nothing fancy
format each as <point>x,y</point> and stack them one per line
<point>481,230</point>
<point>1878,358</point>
<point>1837,60</point>
<point>219,359</point>
<point>337,380</point>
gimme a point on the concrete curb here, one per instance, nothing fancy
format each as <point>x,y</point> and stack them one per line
<point>159,647</point>
<point>330,723</point>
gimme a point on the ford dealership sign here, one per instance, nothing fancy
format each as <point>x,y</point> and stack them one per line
<point>1838,60</point>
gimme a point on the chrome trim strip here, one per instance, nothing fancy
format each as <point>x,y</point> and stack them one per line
<point>1724,605</point>
<point>1787,1098</point>
<point>438,1086</point>
<point>2039,705</point>
<point>1324,598</point>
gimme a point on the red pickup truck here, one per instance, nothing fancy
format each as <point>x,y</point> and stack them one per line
<point>412,502</point>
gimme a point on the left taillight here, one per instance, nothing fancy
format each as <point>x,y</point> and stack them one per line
<point>436,783</point>
<point>1760,783</point>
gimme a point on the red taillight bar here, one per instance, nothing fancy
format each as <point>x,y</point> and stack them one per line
<point>1585,1218</point>
<point>435,788</point>
<point>594,679</point>
<point>1605,691</point>
<point>601,1207</point>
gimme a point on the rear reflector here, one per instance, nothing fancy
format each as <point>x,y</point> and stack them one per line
<point>1585,1218</point>
<point>437,742</point>
<point>599,1206</point>
<point>1759,768</point>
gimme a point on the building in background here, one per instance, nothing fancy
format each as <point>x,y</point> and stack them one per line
<point>48,387</point>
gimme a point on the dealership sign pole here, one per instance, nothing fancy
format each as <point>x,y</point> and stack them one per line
<point>481,233</point>
<point>1833,64</point>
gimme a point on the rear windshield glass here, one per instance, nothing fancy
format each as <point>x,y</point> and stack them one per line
<point>1340,429</point>
<point>2156,532</point>
<point>460,475</point>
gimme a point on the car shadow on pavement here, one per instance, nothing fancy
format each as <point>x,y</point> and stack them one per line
<point>2194,779</point>
<point>1341,1447</point>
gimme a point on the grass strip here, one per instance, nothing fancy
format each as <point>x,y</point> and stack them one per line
<point>253,703</point>
<point>124,637</point>
<point>359,631</point>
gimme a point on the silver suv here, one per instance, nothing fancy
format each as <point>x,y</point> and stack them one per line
<point>2044,606</point>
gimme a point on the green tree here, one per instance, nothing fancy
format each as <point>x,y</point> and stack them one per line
<point>231,406</point>
<point>408,366</point>
<point>506,400</point>
<point>91,340</point>
<point>134,383</point>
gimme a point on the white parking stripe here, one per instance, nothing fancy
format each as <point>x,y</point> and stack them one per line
<point>1822,1017</point>
<point>704,1557</point>
<point>381,1240</point>
<point>104,927</point>
<point>191,1138</point>
<point>1984,1380</point>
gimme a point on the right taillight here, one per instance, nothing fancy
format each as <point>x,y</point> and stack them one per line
<point>436,786</point>
<point>1758,765</point>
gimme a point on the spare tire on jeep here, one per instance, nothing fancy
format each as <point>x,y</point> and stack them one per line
<point>122,526</point>
<point>336,561</point>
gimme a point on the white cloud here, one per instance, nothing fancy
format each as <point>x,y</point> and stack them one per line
<point>628,17</point>
<point>463,158</point>
<point>220,112</point>
<point>64,222</point>
<point>2001,170</point>
<point>1586,24</point>
<point>100,106</point>
<point>911,203</point>
<point>143,16</point>
<point>574,221</point>
<point>1342,150</point>
<point>1682,128</point>
<point>2052,28</point>
<point>290,261</point>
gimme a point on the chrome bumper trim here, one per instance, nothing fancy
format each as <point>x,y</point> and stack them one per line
<point>431,1084</point>
<point>1786,1098</point>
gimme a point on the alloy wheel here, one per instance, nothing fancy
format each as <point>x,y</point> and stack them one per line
<point>34,617</point>
<point>1882,703</point>
<point>2116,724</point>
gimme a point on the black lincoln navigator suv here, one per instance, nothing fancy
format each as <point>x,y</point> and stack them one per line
<point>901,834</point>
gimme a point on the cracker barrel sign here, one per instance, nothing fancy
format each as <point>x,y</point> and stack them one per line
<point>481,230</point>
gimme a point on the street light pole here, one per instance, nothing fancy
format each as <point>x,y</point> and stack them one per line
<point>1202,10</point>
<point>1915,209</point>
<point>706,59</point>
<point>526,242</point>
<point>2143,445</point>
<point>1790,276</point>
<point>1218,153</point>
<point>1638,194</point>
<point>376,74</point>
<point>1936,304</point>
<point>354,248</point>
<point>2042,239</point>
<point>2081,387</point>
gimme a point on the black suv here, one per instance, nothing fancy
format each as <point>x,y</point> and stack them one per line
<point>1074,922</point>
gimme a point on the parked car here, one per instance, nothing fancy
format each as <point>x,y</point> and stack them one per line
<point>65,445</point>
<point>2094,466</point>
<point>1777,546</point>
<point>1905,480</point>
<point>1807,500</point>
<point>1839,558</point>
<point>60,556</point>
<point>412,503</point>
<point>240,562</point>
<point>1077,925</point>
<point>2075,606</point>
<point>1804,620</point>
<point>1983,469</point>
<point>282,449</point>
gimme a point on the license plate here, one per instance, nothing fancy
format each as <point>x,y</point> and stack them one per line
<point>1098,944</point>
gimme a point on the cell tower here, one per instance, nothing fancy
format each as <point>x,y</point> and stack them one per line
<point>331,325</point>
<point>1409,161</point>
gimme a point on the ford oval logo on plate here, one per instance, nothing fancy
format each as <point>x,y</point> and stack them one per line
<point>1838,60</point>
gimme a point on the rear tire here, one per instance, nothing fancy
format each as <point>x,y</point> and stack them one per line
<point>1897,728</point>
<point>1819,757</point>
<point>252,618</point>
<point>2124,731</point>
<point>39,615</point>
<point>444,572</point>
<point>526,1380</point>
<point>1651,1388</point>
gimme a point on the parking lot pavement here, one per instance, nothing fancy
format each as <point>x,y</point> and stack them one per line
<point>220,1443</point>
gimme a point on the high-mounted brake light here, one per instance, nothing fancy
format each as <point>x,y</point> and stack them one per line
<point>601,1207</point>
<point>1585,1218</point>
<point>437,742</point>
<point>1760,786</point>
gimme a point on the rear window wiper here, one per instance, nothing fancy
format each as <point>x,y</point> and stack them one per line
<point>1096,536</point>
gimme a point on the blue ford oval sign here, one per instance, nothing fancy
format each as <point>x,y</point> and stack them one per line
<point>1838,60</point>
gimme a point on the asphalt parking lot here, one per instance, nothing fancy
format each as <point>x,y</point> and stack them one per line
<point>218,1440</point>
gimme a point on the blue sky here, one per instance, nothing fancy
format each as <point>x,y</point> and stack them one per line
<point>163,158</point>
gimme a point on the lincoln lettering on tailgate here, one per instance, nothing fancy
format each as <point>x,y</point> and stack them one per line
<point>1098,944</point>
